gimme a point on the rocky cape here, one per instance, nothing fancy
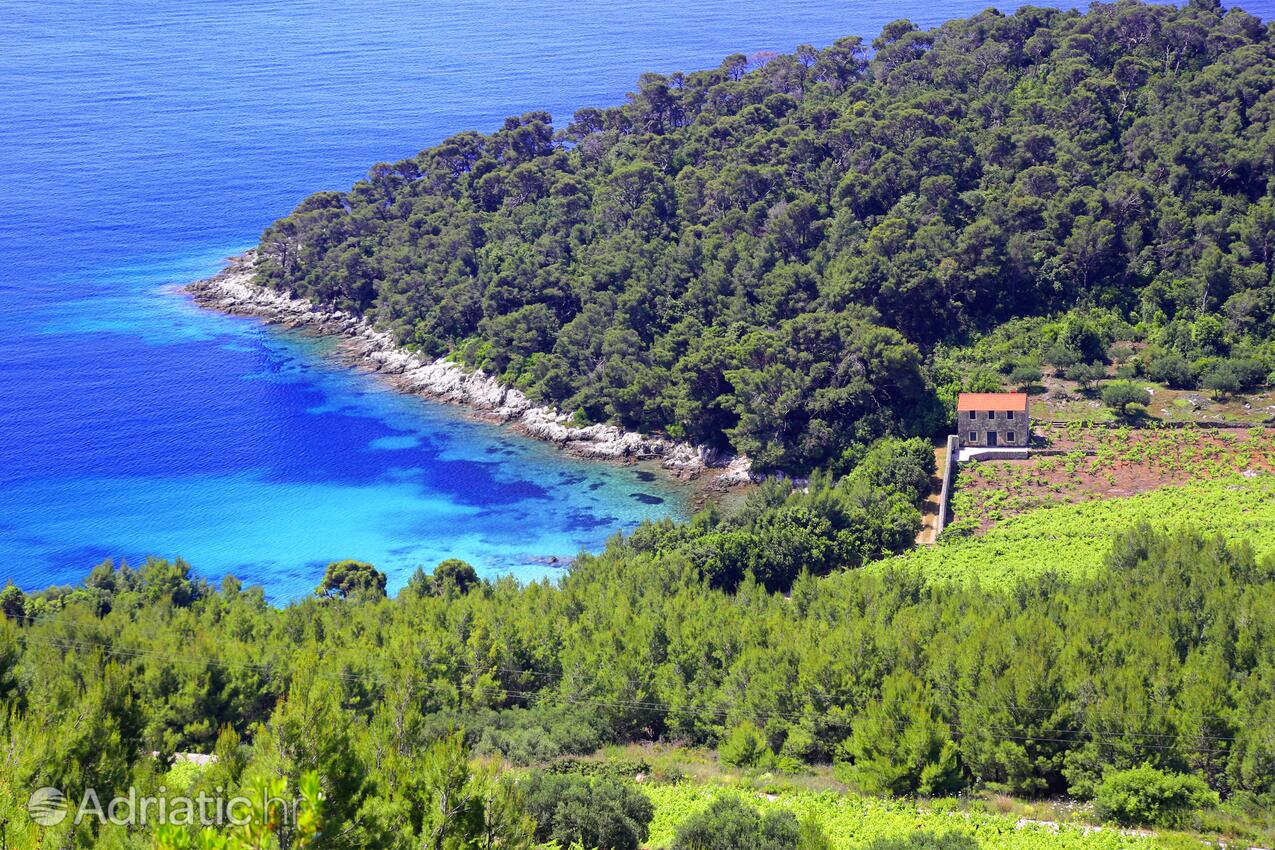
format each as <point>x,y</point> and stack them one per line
<point>235,291</point>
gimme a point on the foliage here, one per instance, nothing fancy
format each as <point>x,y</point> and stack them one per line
<point>597,813</point>
<point>1025,376</point>
<point>728,823</point>
<point>1125,398</point>
<point>265,823</point>
<point>851,822</point>
<point>1146,796</point>
<point>830,524</point>
<point>453,576</point>
<point>345,579</point>
<point>763,256</point>
<point>745,746</point>
<point>1086,374</point>
<point>1069,540</point>
<point>914,683</point>
<point>899,746</point>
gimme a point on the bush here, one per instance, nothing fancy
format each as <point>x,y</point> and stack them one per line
<point>903,466</point>
<point>729,824</point>
<point>959,530</point>
<point>530,735</point>
<point>1146,796</point>
<point>594,813</point>
<point>1172,370</point>
<point>745,746</point>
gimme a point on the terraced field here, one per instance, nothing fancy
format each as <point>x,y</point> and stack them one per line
<point>1073,539</point>
<point>853,822</point>
<point>1103,463</point>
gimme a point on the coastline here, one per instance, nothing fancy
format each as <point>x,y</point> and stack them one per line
<point>234,291</point>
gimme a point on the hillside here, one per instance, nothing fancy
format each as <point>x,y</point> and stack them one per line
<point>762,256</point>
<point>1071,540</point>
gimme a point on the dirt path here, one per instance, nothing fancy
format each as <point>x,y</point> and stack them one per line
<point>930,508</point>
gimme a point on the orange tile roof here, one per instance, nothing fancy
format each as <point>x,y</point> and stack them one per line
<point>991,401</point>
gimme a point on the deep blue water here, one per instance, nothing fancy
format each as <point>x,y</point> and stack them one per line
<point>140,142</point>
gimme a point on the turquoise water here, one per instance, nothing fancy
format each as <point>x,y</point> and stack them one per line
<point>142,142</point>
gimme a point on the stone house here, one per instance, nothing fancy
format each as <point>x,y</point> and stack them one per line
<point>992,420</point>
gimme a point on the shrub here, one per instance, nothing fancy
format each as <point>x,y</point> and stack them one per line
<point>729,824</point>
<point>617,769</point>
<point>530,735</point>
<point>959,529</point>
<point>745,746</point>
<point>1172,370</point>
<point>903,466</point>
<point>595,813</point>
<point>1146,796</point>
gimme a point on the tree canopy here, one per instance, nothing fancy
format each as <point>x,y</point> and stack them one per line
<point>763,256</point>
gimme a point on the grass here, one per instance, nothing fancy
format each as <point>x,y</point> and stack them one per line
<point>682,780</point>
<point>1073,539</point>
<point>851,822</point>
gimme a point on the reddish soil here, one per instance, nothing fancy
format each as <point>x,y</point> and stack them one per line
<point>1104,463</point>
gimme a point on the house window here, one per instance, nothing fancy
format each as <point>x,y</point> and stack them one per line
<point>1009,414</point>
<point>971,414</point>
<point>1011,437</point>
<point>973,436</point>
<point>991,414</point>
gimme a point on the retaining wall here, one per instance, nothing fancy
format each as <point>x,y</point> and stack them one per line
<point>949,479</point>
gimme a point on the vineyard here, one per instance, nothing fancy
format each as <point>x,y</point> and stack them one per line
<point>1072,539</point>
<point>853,822</point>
<point>1104,463</point>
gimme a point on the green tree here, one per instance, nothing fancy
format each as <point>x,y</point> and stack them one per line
<point>1087,374</point>
<point>454,575</point>
<point>1125,398</point>
<point>745,746</point>
<point>347,579</point>
<point>1025,376</point>
<point>900,746</point>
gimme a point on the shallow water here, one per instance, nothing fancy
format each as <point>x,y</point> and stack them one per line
<point>142,142</point>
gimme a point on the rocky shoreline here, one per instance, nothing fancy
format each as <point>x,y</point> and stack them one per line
<point>234,291</point>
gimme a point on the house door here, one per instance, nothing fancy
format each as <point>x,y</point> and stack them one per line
<point>991,438</point>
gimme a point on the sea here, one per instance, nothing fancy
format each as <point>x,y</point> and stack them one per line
<point>143,141</point>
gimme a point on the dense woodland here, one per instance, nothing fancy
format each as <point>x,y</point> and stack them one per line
<point>1167,661</point>
<point>766,256</point>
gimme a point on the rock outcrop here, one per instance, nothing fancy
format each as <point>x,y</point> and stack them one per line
<point>235,291</point>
